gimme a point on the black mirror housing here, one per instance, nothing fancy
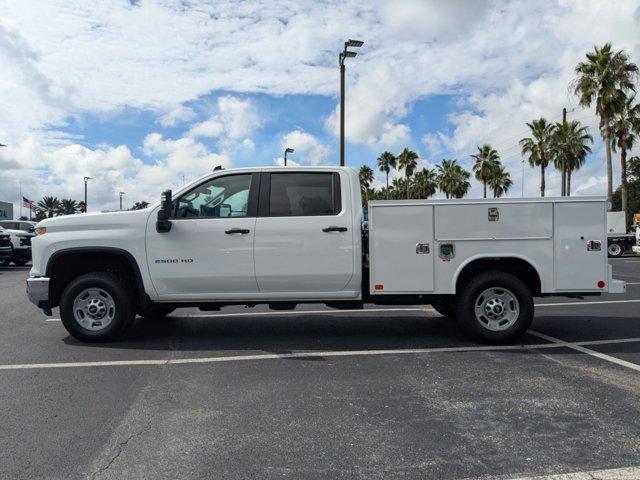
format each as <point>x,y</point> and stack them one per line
<point>163,224</point>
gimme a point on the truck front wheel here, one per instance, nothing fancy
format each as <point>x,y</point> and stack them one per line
<point>494,307</point>
<point>97,307</point>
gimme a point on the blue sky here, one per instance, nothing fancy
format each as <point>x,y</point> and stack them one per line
<point>140,96</point>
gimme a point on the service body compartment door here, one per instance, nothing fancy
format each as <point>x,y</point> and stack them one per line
<point>580,245</point>
<point>401,249</point>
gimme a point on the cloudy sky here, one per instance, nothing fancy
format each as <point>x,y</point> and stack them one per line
<point>144,95</point>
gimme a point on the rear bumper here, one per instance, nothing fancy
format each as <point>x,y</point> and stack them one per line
<point>38,293</point>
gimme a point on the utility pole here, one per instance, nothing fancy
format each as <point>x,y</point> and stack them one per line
<point>121,194</point>
<point>86,180</point>
<point>522,161</point>
<point>341,58</point>
<point>563,188</point>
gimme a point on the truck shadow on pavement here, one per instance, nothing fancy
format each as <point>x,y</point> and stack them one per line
<point>335,332</point>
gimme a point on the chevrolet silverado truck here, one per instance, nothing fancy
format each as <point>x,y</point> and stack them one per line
<point>286,236</point>
<point>21,232</point>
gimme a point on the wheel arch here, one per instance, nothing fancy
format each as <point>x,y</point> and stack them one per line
<point>66,264</point>
<point>519,265</point>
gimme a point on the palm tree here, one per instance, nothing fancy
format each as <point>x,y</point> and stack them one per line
<point>366,177</point>
<point>49,206</point>
<point>486,161</point>
<point>398,185</point>
<point>67,206</point>
<point>139,205</point>
<point>604,79</point>
<point>452,179</point>
<point>570,145</point>
<point>500,181</point>
<point>626,125</point>
<point>386,162</point>
<point>424,183</point>
<point>408,161</point>
<point>538,147</point>
<point>82,208</point>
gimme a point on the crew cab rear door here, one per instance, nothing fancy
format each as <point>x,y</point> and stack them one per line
<point>304,243</point>
<point>208,253</point>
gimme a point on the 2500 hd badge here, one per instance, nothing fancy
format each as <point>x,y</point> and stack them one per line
<point>174,260</point>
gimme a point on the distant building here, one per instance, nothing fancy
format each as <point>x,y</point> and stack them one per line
<point>6,211</point>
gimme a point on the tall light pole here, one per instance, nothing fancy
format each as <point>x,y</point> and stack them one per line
<point>287,150</point>
<point>86,180</point>
<point>121,194</point>
<point>341,58</point>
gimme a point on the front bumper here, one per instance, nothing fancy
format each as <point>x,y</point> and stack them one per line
<point>38,292</point>
<point>23,253</point>
<point>5,253</point>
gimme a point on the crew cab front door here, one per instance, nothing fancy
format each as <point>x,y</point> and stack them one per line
<point>208,253</point>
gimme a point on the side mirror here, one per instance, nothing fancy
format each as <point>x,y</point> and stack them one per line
<point>163,224</point>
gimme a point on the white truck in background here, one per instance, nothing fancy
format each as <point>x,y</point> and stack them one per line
<point>619,239</point>
<point>285,236</point>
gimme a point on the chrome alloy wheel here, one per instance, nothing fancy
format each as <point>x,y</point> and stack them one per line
<point>94,309</point>
<point>615,250</point>
<point>497,309</point>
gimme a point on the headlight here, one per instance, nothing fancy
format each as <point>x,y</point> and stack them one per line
<point>41,230</point>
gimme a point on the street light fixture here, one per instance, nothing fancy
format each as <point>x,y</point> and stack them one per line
<point>86,180</point>
<point>341,58</point>
<point>287,150</point>
<point>121,194</point>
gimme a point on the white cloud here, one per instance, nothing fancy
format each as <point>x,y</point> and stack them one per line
<point>308,149</point>
<point>235,119</point>
<point>176,115</point>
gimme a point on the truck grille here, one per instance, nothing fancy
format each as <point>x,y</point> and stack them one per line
<point>5,241</point>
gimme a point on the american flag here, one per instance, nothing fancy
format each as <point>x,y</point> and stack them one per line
<point>28,203</point>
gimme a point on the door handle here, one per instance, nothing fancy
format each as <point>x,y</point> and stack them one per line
<point>334,229</point>
<point>241,231</point>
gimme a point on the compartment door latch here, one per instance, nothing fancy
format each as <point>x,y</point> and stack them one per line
<point>422,248</point>
<point>594,245</point>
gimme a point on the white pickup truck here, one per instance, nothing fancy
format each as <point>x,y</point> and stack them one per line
<point>284,236</point>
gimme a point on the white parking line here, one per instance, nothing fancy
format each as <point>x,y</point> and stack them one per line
<point>580,348</point>
<point>302,355</point>
<point>628,473</point>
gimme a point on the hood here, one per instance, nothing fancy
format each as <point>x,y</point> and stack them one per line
<point>94,221</point>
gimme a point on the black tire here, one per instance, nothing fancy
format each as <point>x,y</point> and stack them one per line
<point>156,311</point>
<point>124,311</point>
<point>615,250</point>
<point>446,308</point>
<point>5,262</point>
<point>21,262</point>
<point>472,291</point>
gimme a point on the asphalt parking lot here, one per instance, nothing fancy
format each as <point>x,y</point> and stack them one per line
<point>382,393</point>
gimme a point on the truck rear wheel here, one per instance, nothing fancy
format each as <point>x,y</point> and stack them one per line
<point>494,307</point>
<point>96,307</point>
<point>615,250</point>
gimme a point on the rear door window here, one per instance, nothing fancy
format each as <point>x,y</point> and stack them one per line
<point>304,194</point>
